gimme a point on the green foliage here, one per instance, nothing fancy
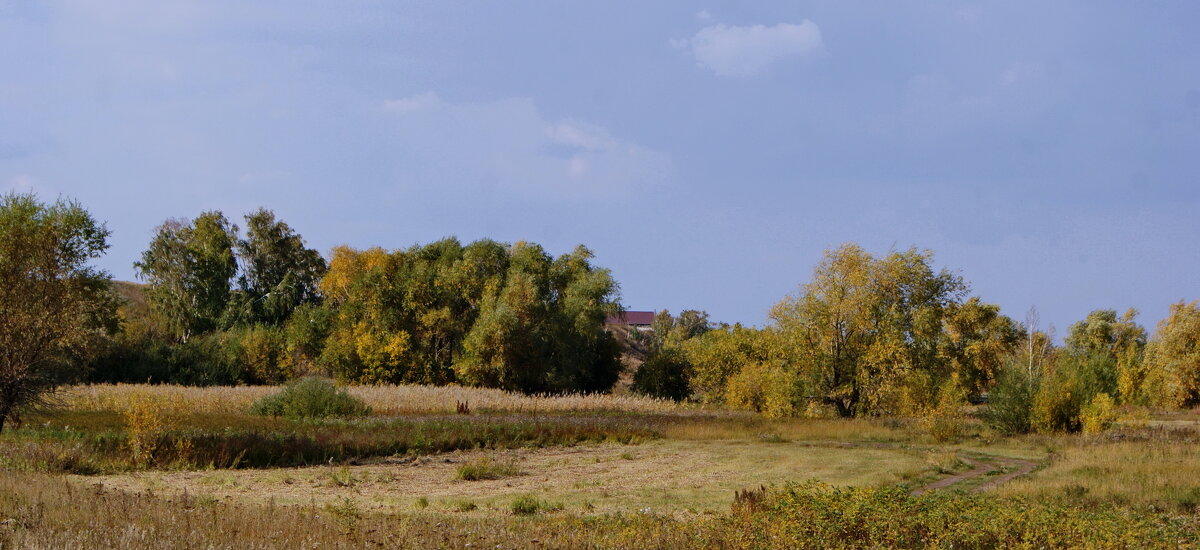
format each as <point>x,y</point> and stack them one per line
<point>189,266</point>
<point>486,468</point>
<point>666,374</point>
<point>310,397</point>
<point>278,272</point>
<point>1010,402</point>
<point>543,330</point>
<point>528,505</point>
<point>55,309</point>
<point>1120,339</point>
<point>671,331</point>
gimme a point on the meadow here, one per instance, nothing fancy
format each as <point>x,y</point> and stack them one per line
<point>137,466</point>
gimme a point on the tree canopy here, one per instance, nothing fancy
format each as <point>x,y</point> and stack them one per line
<point>54,307</point>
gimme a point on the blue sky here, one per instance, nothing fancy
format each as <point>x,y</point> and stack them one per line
<point>706,151</point>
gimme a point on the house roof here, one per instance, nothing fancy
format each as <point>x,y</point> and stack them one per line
<point>631,318</point>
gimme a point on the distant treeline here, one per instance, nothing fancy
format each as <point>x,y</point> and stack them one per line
<point>226,308</point>
<point>892,336</point>
<point>867,335</point>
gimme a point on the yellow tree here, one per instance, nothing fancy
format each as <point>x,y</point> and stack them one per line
<point>977,340</point>
<point>865,327</point>
<point>1173,358</point>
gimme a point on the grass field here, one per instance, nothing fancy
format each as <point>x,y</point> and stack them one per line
<point>571,471</point>
<point>664,476</point>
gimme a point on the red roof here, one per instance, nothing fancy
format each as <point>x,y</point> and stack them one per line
<point>631,318</point>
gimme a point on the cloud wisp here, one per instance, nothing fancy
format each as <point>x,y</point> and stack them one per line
<point>509,145</point>
<point>733,51</point>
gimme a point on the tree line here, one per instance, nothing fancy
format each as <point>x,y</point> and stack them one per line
<point>891,335</point>
<point>260,308</point>
<point>866,336</point>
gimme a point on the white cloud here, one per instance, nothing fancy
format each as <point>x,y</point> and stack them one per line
<point>509,145</point>
<point>703,15</point>
<point>747,51</point>
<point>419,102</point>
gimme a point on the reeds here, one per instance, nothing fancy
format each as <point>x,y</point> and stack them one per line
<point>383,400</point>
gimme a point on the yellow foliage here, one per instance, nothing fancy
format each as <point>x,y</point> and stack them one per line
<point>1099,414</point>
<point>761,388</point>
<point>147,417</point>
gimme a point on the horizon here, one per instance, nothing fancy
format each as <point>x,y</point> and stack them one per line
<point>706,153</point>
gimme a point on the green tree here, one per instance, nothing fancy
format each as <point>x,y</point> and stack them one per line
<point>189,266</point>
<point>1121,340</point>
<point>278,272</point>
<point>54,307</point>
<point>667,330</point>
<point>665,374</point>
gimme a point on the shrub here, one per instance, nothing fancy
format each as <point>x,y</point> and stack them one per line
<point>815,515</point>
<point>1010,403</point>
<point>946,421</point>
<point>761,388</point>
<point>1099,414</point>
<point>485,468</point>
<point>527,505</point>
<point>264,356</point>
<point>665,374</point>
<point>310,397</point>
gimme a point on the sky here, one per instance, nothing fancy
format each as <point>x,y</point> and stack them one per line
<point>706,152</point>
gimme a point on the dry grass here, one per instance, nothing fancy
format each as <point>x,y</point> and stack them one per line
<point>679,478</point>
<point>789,429</point>
<point>1159,469</point>
<point>383,400</point>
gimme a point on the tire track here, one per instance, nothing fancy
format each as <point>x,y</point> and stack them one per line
<point>982,466</point>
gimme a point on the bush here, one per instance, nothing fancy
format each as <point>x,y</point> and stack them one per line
<point>946,421</point>
<point>527,505</point>
<point>485,468</point>
<point>263,355</point>
<point>310,397</point>
<point>761,388</point>
<point>1010,403</point>
<point>1099,414</point>
<point>665,374</point>
<point>815,515</point>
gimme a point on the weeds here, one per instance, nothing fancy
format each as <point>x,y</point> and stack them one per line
<point>528,505</point>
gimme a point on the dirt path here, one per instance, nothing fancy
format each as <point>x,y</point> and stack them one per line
<point>1003,469</point>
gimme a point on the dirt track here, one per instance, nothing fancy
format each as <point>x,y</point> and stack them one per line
<point>994,470</point>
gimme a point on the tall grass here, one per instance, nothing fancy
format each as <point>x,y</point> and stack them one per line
<point>39,511</point>
<point>383,400</point>
<point>225,442</point>
<point>1152,467</point>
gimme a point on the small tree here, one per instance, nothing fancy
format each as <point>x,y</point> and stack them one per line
<point>54,308</point>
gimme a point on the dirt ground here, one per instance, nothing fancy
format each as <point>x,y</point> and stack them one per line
<point>666,476</point>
